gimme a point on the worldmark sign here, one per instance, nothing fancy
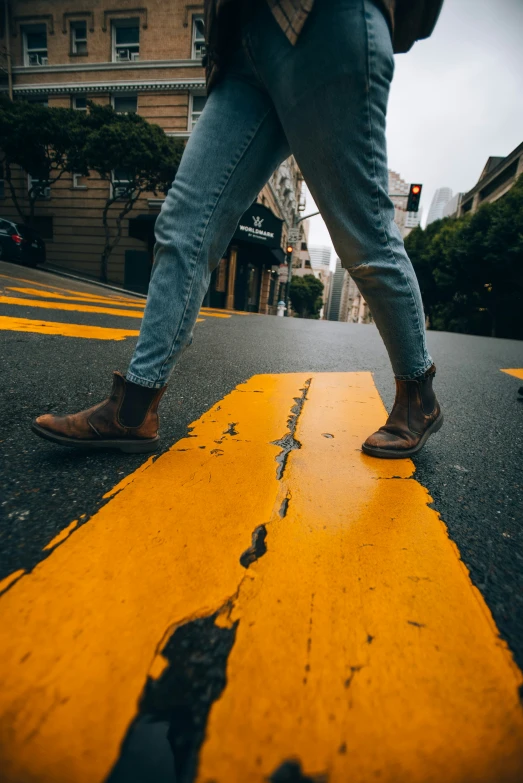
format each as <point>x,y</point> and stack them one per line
<point>258,224</point>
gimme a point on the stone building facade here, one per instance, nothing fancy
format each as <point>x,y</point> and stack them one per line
<point>137,57</point>
<point>497,178</point>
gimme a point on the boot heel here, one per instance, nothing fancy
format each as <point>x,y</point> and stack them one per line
<point>139,447</point>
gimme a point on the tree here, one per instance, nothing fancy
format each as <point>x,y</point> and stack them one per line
<point>45,143</point>
<point>471,269</point>
<point>133,157</point>
<point>306,296</point>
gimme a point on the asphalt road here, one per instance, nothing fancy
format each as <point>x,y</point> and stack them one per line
<point>473,469</point>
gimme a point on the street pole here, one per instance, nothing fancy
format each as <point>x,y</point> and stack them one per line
<point>288,291</point>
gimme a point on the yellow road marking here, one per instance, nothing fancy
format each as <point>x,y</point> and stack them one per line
<point>128,479</point>
<point>517,373</point>
<point>65,330</point>
<point>77,308</point>
<point>81,307</point>
<point>222,313</point>
<point>208,314</point>
<point>92,601</point>
<point>10,324</point>
<point>76,297</point>
<point>56,287</point>
<point>10,579</point>
<point>62,535</point>
<point>362,647</point>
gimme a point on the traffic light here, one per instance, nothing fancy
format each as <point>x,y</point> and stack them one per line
<point>414,198</point>
<point>289,249</point>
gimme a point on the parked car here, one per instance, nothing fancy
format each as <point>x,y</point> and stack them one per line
<point>21,244</point>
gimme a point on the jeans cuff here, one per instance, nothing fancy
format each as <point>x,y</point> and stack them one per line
<point>415,375</point>
<point>144,382</point>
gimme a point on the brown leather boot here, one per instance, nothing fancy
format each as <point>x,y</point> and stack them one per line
<point>416,415</point>
<point>127,420</point>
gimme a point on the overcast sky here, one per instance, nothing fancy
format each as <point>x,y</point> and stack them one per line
<point>456,99</point>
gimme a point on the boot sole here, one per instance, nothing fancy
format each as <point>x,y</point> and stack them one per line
<point>390,454</point>
<point>121,444</point>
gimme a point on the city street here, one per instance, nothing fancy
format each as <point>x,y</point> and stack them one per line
<point>258,601</point>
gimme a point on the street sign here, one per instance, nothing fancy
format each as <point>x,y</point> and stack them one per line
<point>293,236</point>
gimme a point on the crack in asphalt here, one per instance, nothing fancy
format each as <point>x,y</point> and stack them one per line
<point>289,443</point>
<point>258,547</point>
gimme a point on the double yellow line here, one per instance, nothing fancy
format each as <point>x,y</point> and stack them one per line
<point>67,300</point>
<point>362,649</point>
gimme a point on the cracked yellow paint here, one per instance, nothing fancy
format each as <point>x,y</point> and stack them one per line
<point>517,373</point>
<point>362,648</point>
<point>80,633</point>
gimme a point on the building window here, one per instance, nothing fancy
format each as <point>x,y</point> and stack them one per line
<point>35,44</point>
<point>120,184</point>
<point>198,38</point>
<point>79,37</point>
<point>198,102</point>
<point>125,104</point>
<point>41,191</point>
<point>126,40</point>
<point>36,100</point>
<point>79,102</point>
<point>79,182</point>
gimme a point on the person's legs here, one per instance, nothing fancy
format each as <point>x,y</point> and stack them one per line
<point>330,91</point>
<point>234,148</point>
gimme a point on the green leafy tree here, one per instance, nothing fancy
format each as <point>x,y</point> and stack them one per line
<point>133,157</point>
<point>471,269</point>
<point>45,143</point>
<point>306,296</point>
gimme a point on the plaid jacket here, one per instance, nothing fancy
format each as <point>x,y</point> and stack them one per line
<point>409,21</point>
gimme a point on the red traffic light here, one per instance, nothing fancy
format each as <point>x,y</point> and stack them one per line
<point>414,198</point>
<point>289,249</point>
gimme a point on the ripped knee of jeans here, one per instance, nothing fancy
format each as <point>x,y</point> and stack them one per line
<point>351,268</point>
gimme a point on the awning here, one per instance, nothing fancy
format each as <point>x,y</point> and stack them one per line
<point>260,226</point>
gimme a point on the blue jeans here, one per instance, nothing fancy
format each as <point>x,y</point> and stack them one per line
<point>323,100</point>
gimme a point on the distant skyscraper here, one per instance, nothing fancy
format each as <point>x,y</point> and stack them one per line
<point>320,256</point>
<point>338,295</point>
<point>451,207</point>
<point>441,198</point>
